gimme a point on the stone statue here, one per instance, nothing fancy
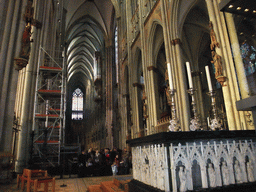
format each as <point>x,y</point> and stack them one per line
<point>250,171</point>
<point>183,179</point>
<point>225,173</point>
<point>145,111</point>
<point>212,175</point>
<point>238,172</point>
<point>161,178</point>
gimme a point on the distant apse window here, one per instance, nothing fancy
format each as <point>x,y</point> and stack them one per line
<point>77,104</point>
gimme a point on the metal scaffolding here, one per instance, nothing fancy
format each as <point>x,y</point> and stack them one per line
<point>48,124</point>
<point>48,131</point>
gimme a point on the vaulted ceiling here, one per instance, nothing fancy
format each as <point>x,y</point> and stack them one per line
<point>88,26</point>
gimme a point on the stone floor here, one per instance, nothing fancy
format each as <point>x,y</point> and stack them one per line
<point>67,184</point>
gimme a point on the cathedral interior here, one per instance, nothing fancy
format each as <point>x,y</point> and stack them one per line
<point>100,74</point>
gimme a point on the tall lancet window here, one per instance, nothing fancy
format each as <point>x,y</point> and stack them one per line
<point>77,104</point>
<point>116,53</point>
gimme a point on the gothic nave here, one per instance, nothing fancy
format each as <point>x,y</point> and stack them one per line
<point>101,74</point>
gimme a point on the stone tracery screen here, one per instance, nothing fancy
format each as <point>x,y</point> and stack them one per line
<point>201,164</point>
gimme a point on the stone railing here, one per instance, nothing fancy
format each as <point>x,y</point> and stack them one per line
<point>184,161</point>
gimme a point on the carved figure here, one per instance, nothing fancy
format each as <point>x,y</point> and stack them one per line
<point>250,171</point>
<point>225,173</point>
<point>145,111</point>
<point>217,64</point>
<point>183,179</point>
<point>160,178</point>
<point>212,176</point>
<point>28,15</point>
<point>238,172</point>
<point>25,47</point>
<point>214,42</point>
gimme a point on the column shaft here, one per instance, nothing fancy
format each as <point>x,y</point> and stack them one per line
<point>10,78</point>
<point>109,96</point>
<point>226,91</point>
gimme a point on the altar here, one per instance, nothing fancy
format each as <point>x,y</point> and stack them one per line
<point>194,160</point>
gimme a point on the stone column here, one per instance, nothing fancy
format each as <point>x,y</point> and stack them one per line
<point>242,80</point>
<point>244,88</point>
<point>166,169</point>
<point>6,58</point>
<point>149,92</point>
<point>199,98</point>
<point>146,57</point>
<point>5,41</point>
<point>24,141</point>
<point>183,101</point>
<point>152,112</point>
<point>173,56</point>
<point>174,178</point>
<point>137,120</point>
<point>10,78</point>
<point>109,95</point>
<point>229,100</point>
<point>135,112</point>
<point>230,168</point>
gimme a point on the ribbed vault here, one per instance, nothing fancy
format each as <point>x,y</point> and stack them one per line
<point>88,25</point>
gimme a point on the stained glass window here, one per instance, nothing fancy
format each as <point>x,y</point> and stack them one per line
<point>248,54</point>
<point>116,53</point>
<point>246,33</point>
<point>77,104</point>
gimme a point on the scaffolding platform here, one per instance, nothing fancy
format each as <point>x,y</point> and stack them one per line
<point>48,123</point>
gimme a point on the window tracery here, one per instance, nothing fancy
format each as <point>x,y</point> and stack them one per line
<point>77,104</point>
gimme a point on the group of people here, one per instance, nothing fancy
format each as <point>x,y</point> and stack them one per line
<point>104,162</point>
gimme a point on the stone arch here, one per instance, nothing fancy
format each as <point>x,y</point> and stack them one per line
<point>150,41</point>
<point>116,5</point>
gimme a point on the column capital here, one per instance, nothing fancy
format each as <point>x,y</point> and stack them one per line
<point>137,85</point>
<point>176,41</point>
<point>36,23</point>
<point>150,68</point>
